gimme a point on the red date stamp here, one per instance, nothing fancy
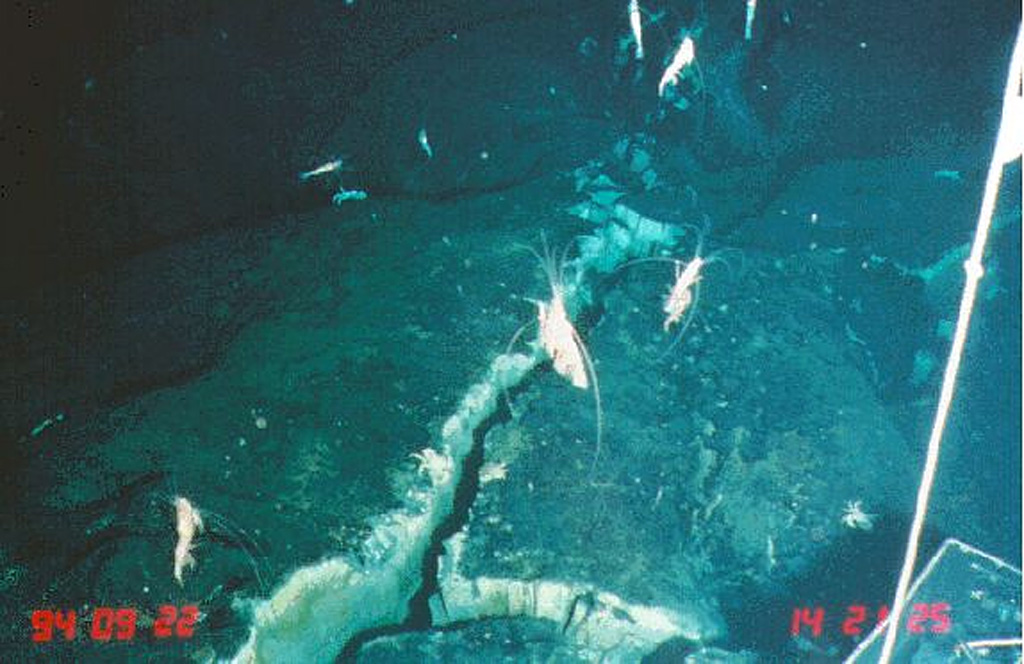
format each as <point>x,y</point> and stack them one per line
<point>858,619</point>
<point>105,623</point>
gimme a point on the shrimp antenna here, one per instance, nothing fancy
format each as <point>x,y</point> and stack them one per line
<point>597,402</point>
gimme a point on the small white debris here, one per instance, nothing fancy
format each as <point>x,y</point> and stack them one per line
<point>424,142</point>
<point>587,47</point>
<point>649,179</point>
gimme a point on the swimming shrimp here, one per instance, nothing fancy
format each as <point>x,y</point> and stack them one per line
<point>191,522</point>
<point>635,26</point>
<point>680,303</point>
<point>188,523</point>
<point>682,292</point>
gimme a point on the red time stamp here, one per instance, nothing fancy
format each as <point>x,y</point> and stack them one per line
<point>931,618</point>
<point>106,623</point>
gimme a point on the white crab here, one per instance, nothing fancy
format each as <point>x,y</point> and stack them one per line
<point>855,517</point>
<point>437,466</point>
<point>493,471</point>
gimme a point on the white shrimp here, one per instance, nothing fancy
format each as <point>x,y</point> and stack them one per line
<point>188,523</point>
<point>635,26</point>
<point>191,522</point>
<point>559,338</point>
<point>680,304</point>
<point>684,57</point>
<point>681,295</point>
<point>561,342</point>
